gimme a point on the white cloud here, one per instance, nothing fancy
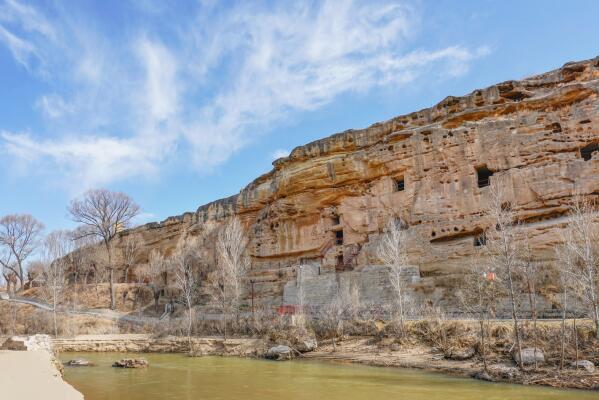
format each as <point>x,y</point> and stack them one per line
<point>227,76</point>
<point>21,50</point>
<point>53,105</point>
<point>280,153</point>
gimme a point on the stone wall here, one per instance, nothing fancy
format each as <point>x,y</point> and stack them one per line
<point>326,204</point>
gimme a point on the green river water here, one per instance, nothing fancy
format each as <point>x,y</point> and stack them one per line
<point>177,377</point>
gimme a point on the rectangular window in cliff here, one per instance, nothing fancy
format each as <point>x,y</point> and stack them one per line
<point>483,175</point>
<point>587,151</point>
<point>480,240</point>
<point>400,184</point>
<point>339,237</point>
<point>336,220</point>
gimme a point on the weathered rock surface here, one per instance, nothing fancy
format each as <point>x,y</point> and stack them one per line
<point>460,354</point>
<point>280,353</point>
<point>140,343</point>
<point>79,362</point>
<point>29,343</point>
<point>583,364</point>
<point>306,344</point>
<point>131,363</point>
<point>324,206</point>
<point>529,356</point>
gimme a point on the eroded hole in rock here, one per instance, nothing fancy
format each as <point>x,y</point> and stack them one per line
<point>587,151</point>
<point>339,237</point>
<point>483,176</point>
<point>400,184</point>
<point>480,240</point>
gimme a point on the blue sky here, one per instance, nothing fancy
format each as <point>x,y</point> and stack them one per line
<point>181,103</point>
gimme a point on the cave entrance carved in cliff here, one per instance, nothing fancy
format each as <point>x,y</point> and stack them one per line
<point>483,176</point>
<point>400,184</point>
<point>587,151</point>
<point>339,237</point>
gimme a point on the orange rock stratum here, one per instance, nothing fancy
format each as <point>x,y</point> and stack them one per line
<point>325,205</point>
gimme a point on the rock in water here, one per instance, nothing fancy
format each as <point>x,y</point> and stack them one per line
<point>584,364</point>
<point>131,363</point>
<point>279,353</point>
<point>79,363</point>
<point>529,355</point>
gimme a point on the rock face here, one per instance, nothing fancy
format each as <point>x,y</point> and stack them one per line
<point>529,356</point>
<point>583,364</point>
<point>140,343</point>
<point>29,343</point>
<point>279,353</point>
<point>320,212</point>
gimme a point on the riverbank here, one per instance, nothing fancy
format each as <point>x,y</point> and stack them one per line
<point>33,375</point>
<point>362,350</point>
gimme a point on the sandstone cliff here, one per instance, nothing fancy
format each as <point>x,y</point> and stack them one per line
<point>325,205</point>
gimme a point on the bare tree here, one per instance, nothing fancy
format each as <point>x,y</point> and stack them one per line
<point>183,259</point>
<point>393,251</point>
<point>528,269</point>
<point>332,315</point>
<point>503,247</point>
<point>568,283</point>
<point>19,237</point>
<point>130,250</point>
<point>57,246</point>
<point>105,214</point>
<point>82,261</point>
<point>582,241</point>
<point>157,275</point>
<point>232,266</point>
<point>478,295</point>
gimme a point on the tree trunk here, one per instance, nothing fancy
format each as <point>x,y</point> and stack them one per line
<point>533,307</point>
<point>482,341</point>
<point>55,325</point>
<point>189,331</point>
<point>515,318</point>
<point>563,339</point>
<point>576,343</point>
<point>111,289</point>
<point>110,278</point>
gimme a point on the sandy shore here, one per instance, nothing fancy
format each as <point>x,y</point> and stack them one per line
<point>32,375</point>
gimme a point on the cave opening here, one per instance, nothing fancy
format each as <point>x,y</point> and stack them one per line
<point>483,176</point>
<point>587,151</point>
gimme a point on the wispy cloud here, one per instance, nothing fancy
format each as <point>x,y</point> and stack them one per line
<point>128,105</point>
<point>279,153</point>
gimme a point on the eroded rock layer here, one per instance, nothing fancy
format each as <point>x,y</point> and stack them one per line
<point>325,205</point>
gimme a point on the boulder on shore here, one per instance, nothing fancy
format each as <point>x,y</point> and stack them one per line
<point>79,362</point>
<point>306,344</point>
<point>29,343</point>
<point>583,364</point>
<point>529,356</point>
<point>459,354</point>
<point>131,363</point>
<point>279,353</point>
